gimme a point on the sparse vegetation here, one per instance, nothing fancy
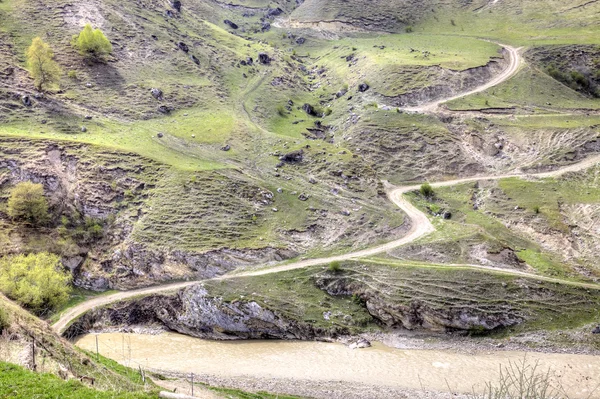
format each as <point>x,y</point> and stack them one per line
<point>44,70</point>
<point>521,380</point>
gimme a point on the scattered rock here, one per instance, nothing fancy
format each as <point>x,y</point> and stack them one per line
<point>300,40</point>
<point>303,197</point>
<point>265,27</point>
<point>183,47</point>
<point>312,180</point>
<point>273,12</point>
<point>44,121</point>
<point>88,85</point>
<point>163,109</point>
<point>249,61</point>
<point>360,343</point>
<point>345,212</point>
<point>83,129</point>
<point>275,209</point>
<point>26,100</point>
<point>447,215</point>
<point>309,109</point>
<point>88,117</point>
<point>341,93</point>
<point>195,59</point>
<point>280,190</point>
<point>157,93</point>
<point>231,24</point>
<point>596,330</point>
<point>160,135</point>
<point>227,147</point>
<point>176,5</point>
<point>363,87</point>
<point>264,58</point>
<point>293,157</point>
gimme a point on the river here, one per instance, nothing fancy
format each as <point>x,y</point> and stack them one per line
<point>439,370</point>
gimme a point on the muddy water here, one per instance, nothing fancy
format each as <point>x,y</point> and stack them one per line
<point>437,370</point>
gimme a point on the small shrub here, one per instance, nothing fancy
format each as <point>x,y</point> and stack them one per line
<point>281,111</point>
<point>72,74</point>
<point>327,112</point>
<point>409,29</point>
<point>452,22</point>
<point>92,44</point>
<point>536,209</point>
<point>426,190</point>
<point>27,203</point>
<point>335,266</point>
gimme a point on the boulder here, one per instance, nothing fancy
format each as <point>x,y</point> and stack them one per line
<point>264,58</point>
<point>195,59</point>
<point>293,157</point>
<point>249,61</point>
<point>176,4</point>
<point>156,93</point>
<point>447,215</point>
<point>26,100</point>
<point>363,87</point>
<point>160,135</point>
<point>303,197</point>
<point>300,40</point>
<point>309,109</point>
<point>183,47</point>
<point>596,330</point>
<point>265,27</point>
<point>83,129</point>
<point>231,24</point>
<point>227,147</point>
<point>360,343</point>
<point>163,109</point>
<point>341,93</point>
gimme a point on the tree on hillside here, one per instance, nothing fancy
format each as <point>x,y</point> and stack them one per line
<point>41,65</point>
<point>28,203</point>
<point>92,44</point>
<point>35,281</point>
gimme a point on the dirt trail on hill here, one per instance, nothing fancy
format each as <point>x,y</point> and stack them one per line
<point>515,61</point>
<point>420,227</point>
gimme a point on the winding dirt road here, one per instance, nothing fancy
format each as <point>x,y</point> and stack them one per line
<point>515,61</point>
<point>420,227</point>
<point>420,223</point>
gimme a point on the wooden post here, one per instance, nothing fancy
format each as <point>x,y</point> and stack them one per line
<point>34,366</point>
<point>192,384</point>
<point>97,351</point>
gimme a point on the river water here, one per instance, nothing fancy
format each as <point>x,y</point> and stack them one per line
<point>439,370</point>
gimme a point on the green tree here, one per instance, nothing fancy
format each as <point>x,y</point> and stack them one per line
<point>35,281</point>
<point>92,44</point>
<point>41,65</point>
<point>27,202</point>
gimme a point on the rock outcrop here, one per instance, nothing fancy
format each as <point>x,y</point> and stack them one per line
<point>194,312</point>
